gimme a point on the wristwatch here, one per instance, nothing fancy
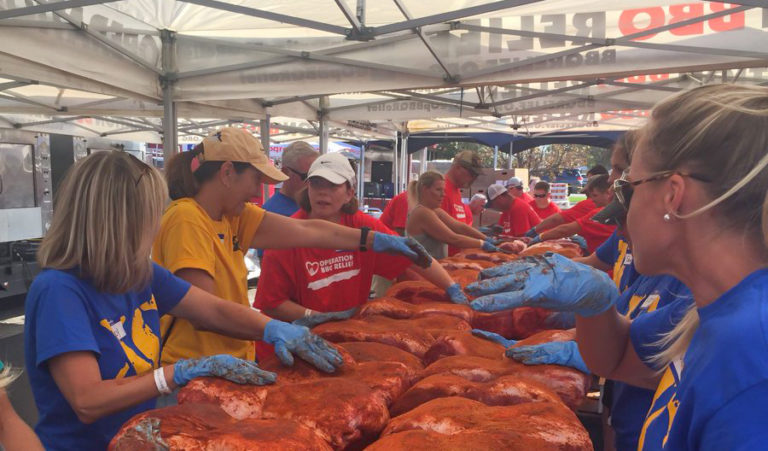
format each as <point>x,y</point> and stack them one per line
<point>364,238</point>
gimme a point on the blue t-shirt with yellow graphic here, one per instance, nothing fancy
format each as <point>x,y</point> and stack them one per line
<point>716,396</point>
<point>617,252</point>
<point>65,314</point>
<point>629,404</point>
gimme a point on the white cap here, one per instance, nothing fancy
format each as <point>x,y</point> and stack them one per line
<point>495,191</point>
<point>333,167</point>
<point>514,181</point>
<point>476,197</point>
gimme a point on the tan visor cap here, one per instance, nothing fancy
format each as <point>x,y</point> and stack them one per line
<point>238,145</point>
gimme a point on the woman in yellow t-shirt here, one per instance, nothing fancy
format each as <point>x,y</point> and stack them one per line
<point>210,224</point>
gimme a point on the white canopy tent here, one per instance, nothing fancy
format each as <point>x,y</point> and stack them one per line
<point>146,68</point>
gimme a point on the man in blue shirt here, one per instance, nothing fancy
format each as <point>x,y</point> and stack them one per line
<point>297,158</point>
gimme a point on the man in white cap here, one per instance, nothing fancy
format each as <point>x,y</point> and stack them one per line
<point>518,217</point>
<point>516,189</point>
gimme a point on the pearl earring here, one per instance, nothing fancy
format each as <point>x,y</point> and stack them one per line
<point>667,218</point>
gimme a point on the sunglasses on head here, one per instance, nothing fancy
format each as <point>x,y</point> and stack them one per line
<point>623,188</point>
<point>540,196</point>
<point>302,175</point>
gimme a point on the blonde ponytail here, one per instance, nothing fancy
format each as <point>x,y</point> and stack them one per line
<point>675,343</point>
<point>7,375</point>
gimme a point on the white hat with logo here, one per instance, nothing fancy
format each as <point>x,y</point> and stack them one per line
<point>333,167</point>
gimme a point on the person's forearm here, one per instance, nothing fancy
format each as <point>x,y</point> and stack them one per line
<point>15,434</point>
<point>562,231</point>
<point>435,274</point>
<point>287,311</point>
<point>278,232</point>
<point>472,232</point>
<point>233,320</point>
<point>593,261</point>
<point>550,222</point>
<point>464,242</point>
<point>602,340</point>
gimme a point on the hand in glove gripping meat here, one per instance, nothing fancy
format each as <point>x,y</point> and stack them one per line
<point>317,318</point>
<point>288,338</point>
<point>456,295</point>
<point>549,281</point>
<point>493,336</point>
<point>565,353</point>
<point>490,246</point>
<point>223,365</point>
<point>393,244</point>
<point>582,242</point>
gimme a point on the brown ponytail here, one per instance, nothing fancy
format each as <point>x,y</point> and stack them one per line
<point>182,182</point>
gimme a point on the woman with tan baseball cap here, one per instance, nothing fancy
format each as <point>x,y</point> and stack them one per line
<point>210,224</point>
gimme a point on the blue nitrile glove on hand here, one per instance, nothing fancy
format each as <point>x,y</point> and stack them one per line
<point>493,336</point>
<point>288,338</point>
<point>507,268</point>
<point>578,239</point>
<point>549,281</point>
<point>536,239</point>
<point>531,233</point>
<point>393,244</point>
<point>319,318</point>
<point>456,294</point>
<point>489,246</point>
<point>565,353</point>
<point>223,365</point>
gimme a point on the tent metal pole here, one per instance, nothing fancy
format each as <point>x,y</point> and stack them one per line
<point>495,157</point>
<point>511,152</point>
<point>361,175</point>
<point>405,170</point>
<point>423,165</point>
<point>395,171</point>
<point>264,125</point>
<point>360,11</point>
<point>170,126</point>
<point>323,125</point>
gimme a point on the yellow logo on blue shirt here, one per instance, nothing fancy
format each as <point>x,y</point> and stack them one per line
<point>142,346</point>
<point>664,407</point>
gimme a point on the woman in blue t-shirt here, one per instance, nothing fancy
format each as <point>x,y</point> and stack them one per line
<point>698,212</point>
<point>92,336</point>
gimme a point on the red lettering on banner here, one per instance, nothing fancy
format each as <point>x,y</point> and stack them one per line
<point>634,21</point>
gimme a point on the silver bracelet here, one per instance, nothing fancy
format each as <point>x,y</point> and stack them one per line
<point>161,383</point>
<point>308,312</point>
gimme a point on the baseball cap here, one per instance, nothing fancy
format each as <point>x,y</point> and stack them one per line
<point>238,145</point>
<point>493,192</point>
<point>612,214</point>
<point>333,167</point>
<point>469,160</point>
<point>513,181</point>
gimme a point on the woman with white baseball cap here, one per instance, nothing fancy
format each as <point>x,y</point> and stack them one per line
<point>301,281</point>
<point>210,224</point>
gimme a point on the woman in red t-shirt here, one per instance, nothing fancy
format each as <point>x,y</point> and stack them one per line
<point>300,282</point>
<point>541,203</point>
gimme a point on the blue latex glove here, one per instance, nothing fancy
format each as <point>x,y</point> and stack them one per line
<point>456,295</point>
<point>509,268</point>
<point>553,282</point>
<point>536,239</point>
<point>578,239</point>
<point>320,318</point>
<point>531,233</point>
<point>393,244</point>
<point>493,337</point>
<point>289,339</point>
<point>488,246</point>
<point>223,365</point>
<point>565,353</point>
<point>560,320</point>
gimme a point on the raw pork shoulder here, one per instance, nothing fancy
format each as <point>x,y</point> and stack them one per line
<point>395,308</point>
<point>202,426</point>
<point>502,391</point>
<point>454,342</point>
<point>565,248</point>
<point>571,385</point>
<point>380,329</point>
<point>363,351</point>
<point>496,258</point>
<point>417,292</point>
<point>459,423</point>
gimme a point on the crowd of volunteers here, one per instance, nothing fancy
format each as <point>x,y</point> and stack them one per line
<point>138,296</point>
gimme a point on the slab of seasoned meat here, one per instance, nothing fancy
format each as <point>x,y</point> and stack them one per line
<point>459,423</point>
<point>516,324</point>
<point>417,292</point>
<point>380,329</point>
<point>395,308</point>
<point>452,342</point>
<point>502,391</point>
<point>343,411</point>
<point>496,258</point>
<point>206,427</point>
<point>565,248</point>
<point>464,276</point>
<point>571,385</point>
<point>514,246</point>
<point>451,264</point>
<point>363,351</point>
<point>547,336</point>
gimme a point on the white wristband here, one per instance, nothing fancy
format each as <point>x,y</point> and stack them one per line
<point>161,383</point>
<point>308,312</point>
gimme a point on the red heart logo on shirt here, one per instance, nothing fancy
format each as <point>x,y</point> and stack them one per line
<point>312,267</point>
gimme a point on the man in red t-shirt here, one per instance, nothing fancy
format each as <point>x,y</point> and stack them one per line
<point>599,191</point>
<point>517,216</point>
<point>396,213</point>
<point>517,190</point>
<point>542,204</point>
<point>466,167</point>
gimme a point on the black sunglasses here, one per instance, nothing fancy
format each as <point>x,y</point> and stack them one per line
<point>302,175</point>
<point>623,188</point>
<point>540,196</point>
